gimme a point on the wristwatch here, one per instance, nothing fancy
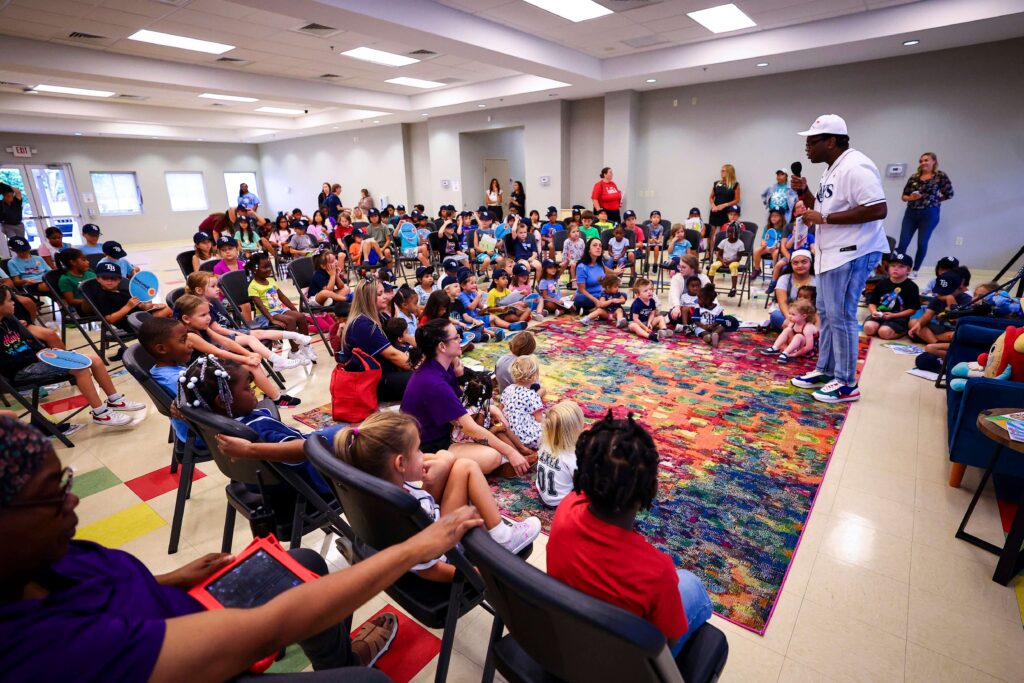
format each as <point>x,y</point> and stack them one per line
<point>824,218</point>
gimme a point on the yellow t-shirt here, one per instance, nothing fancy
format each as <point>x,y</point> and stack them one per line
<point>496,295</point>
<point>268,295</point>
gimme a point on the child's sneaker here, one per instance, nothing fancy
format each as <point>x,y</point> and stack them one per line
<point>111,418</point>
<point>308,352</point>
<point>585,320</point>
<point>124,405</point>
<point>732,293</point>
<point>834,392</point>
<point>812,380</point>
<point>664,334</point>
<point>516,327</point>
<point>286,401</point>
<point>770,351</point>
<point>621,323</point>
<point>280,363</point>
<point>498,335</point>
<point>302,339</point>
<point>523,534</point>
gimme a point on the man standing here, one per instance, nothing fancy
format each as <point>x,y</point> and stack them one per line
<point>780,196</point>
<point>10,216</point>
<point>249,200</point>
<point>848,210</point>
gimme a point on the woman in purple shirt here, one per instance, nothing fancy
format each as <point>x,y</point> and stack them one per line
<point>74,610</point>
<point>434,398</point>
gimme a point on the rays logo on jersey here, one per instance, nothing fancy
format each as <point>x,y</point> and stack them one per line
<point>824,192</point>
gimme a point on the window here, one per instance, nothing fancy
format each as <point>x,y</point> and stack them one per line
<point>232,179</point>
<point>117,194</point>
<point>186,190</point>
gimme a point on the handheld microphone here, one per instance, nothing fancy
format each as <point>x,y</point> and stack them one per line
<point>796,167</point>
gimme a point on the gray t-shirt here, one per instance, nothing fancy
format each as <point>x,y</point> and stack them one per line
<point>503,371</point>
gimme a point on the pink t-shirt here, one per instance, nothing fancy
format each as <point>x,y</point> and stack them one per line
<point>221,267</point>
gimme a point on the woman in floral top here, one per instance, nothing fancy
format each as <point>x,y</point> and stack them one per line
<point>923,193</point>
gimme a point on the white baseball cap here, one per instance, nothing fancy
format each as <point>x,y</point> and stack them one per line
<point>827,124</point>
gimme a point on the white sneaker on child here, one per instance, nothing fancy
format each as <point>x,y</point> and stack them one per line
<point>522,534</point>
<point>124,405</point>
<point>308,352</point>
<point>302,339</point>
<point>111,418</point>
<point>281,363</point>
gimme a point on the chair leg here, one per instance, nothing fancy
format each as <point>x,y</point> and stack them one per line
<point>39,419</point>
<point>296,538</point>
<point>956,474</point>
<point>184,484</point>
<point>496,629</point>
<point>229,529</point>
<point>448,637</point>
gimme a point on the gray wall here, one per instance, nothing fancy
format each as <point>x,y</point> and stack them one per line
<point>149,159</point>
<point>586,148</point>
<point>962,104</point>
<point>474,148</point>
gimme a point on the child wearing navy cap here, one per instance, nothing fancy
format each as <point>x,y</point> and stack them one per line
<point>115,303</point>
<point>425,284</point>
<point>300,244</point>
<point>113,252</point>
<point>950,290</point>
<point>227,249</point>
<point>27,269</point>
<point>203,242</point>
<point>91,234</point>
<point>548,229</point>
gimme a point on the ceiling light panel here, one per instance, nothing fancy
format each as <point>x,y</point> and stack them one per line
<point>280,110</point>
<point>180,42</point>
<point>722,18</point>
<point>369,54</point>
<point>573,10</point>
<point>64,90</point>
<point>227,98</point>
<point>415,82</point>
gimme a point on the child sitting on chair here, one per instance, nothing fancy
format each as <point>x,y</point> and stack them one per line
<point>387,446</point>
<point>798,335</point>
<point>729,252</point>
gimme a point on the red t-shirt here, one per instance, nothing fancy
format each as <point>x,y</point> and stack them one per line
<point>614,565</point>
<point>607,195</point>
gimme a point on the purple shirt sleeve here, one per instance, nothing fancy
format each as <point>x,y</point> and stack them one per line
<point>431,398</point>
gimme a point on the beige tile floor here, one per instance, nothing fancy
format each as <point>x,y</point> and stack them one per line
<point>879,590</point>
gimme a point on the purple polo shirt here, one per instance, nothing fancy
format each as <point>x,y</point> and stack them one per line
<point>103,620</point>
<point>433,398</point>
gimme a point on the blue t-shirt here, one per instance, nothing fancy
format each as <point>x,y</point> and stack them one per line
<point>249,200</point>
<point>680,248</point>
<point>641,311</point>
<point>466,299</point>
<point>272,430</point>
<point>122,263</point>
<point>88,249</point>
<point>525,249</point>
<point>590,278</point>
<point>548,289</point>
<point>167,377</point>
<point>548,229</point>
<point>30,269</point>
<point>362,333</point>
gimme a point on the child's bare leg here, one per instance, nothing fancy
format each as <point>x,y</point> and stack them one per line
<point>254,345</point>
<point>48,337</point>
<point>796,346</point>
<point>871,328</point>
<point>438,467</point>
<point>782,341</point>
<point>639,330</point>
<point>83,379</point>
<point>467,484</point>
<point>260,379</point>
<point>29,305</point>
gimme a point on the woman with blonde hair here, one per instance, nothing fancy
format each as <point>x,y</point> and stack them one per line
<point>924,193</point>
<point>724,194</point>
<point>365,331</point>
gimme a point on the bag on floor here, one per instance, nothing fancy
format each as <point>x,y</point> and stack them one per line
<point>320,321</point>
<point>354,387</point>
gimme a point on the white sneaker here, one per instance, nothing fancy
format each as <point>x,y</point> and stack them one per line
<point>308,352</point>
<point>302,339</point>
<point>124,405</point>
<point>621,323</point>
<point>523,534</point>
<point>111,418</point>
<point>280,363</point>
<point>664,334</point>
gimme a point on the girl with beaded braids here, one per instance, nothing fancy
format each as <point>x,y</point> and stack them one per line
<point>594,548</point>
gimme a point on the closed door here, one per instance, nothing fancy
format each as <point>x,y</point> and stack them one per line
<point>496,168</point>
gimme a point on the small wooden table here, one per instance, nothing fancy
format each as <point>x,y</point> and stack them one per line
<point>1011,559</point>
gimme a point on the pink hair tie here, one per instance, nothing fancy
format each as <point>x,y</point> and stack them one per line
<point>355,431</point>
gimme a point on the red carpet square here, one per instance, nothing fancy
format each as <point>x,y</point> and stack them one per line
<point>62,405</point>
<point>411,650</point>
<point>158,482</point>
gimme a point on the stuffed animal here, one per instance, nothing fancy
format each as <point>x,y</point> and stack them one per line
<point>1003,361</point>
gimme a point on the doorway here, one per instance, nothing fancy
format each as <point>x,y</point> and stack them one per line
<point>49,199</point>
<point>490,154</point>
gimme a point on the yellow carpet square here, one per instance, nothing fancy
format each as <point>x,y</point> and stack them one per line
<point>121,527</point>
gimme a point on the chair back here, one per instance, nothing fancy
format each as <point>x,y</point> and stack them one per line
<point>208,266</point>
<point>173,296</point>
<point>184,260</point>
<point>94,260</point>
<point>208,425</point>
<point>52,280</point>
<point>139,363</point>
<point>559,238</point>
<point>234,284</point>
<point>572,636</point>
<point>301,271</point>
<point>747,237</point>
<point>136,319</point>
<point>693,237</point>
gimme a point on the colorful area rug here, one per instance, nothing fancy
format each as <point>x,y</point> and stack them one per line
<point>742,451</point>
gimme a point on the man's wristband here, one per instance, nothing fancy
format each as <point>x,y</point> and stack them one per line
<point>824,218</point>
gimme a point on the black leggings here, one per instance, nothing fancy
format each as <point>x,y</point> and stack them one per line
<point>392,385</point>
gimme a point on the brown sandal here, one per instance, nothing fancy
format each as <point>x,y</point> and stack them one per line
<point>377,635</point>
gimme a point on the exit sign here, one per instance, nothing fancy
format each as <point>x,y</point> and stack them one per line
<point>20,151</point>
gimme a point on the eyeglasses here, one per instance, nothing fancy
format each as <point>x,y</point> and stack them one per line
<point>455,338</point>
<point>67,478</point>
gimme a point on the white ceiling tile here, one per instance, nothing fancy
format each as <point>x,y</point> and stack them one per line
<point>449,60</point>
<point>230,26</point>
<point>120,23</point>
<point>662,10</point>
<point>690,34</point>
<point>675,23</point>
<point>14,14</point>
<point>66,7</point>
<point>528,17</point>
<point>274,20</point>
<point>30,29</point>
<point>149,9</point>
<point>477,6</point>
<point>221,8</point>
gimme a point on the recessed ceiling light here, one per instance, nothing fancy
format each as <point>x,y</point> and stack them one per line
<point>182,42</point>
<point>334,127</point>
<point>573,10</point>
<point>63,90</point>
<point>415,82</point>
<point>762,64</point>
<point>199,139</point>
<point>376,121</point>
<point>227,98</point>
<point>424,114</point>
<point>280,110</point>
<point>481,106</point>
<point>652,80</point>
<point>910,43</point>
<point>154,137</point>
<point>369,54</point>
<point>77,133</point>
<point>722,18</point>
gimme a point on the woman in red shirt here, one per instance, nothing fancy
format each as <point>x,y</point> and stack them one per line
<point>593,546</point>
<point>606,195</point>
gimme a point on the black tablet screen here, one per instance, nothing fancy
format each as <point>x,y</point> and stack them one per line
<point>257,580</point>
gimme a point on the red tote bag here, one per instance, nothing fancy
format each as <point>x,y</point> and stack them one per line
<point>354,387</point>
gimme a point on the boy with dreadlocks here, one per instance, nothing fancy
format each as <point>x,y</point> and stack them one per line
<point>594,548</point>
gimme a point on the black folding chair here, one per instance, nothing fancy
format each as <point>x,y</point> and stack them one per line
<point>184,260</point>
<point>94,260</point>
<point>383,515</point>
<point>109,334</point>
<point>301,271</point>
<point>31,405</point>
<point>185,454</point>
<point>173,296</point>
<point>70,317</point>
<point>557,633</point>
<point>255,482</point>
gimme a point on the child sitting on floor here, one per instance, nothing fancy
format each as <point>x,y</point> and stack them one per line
<point>477,393</point>
<point>644,319</point>
<point>893,301</point>
<point>798,335</point>
<point>707,322</point>
<point>387,445</point>
<point>556,460</point>
<point>521,284</point>
<point>521,404</point>
<point>426,284</point>
<point>551,303</point>
<point>518,314</point>
<point>610,305</point>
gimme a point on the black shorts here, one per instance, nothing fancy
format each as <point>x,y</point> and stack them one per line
<point>40,374</point>
<point>898,325</point>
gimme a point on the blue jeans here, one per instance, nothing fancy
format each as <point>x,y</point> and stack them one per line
<point>696,605</point>
<point>776,320</point>
<point>923,222</point>
<point>839,291</point>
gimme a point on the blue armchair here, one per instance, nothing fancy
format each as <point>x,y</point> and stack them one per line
<point>967,446</point>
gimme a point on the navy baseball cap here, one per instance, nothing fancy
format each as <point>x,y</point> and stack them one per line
<point>372,212</point>
<point>463,214</point>
<point>695,210</point>
<point>450,280</point>
<point>520,269</point>
<point>948,262</point>
<point>485,216</point>
<point>498,273</point>
<point>227,241</point>
<point>450,264</point>
<point>114,249</point>
<point>463,274</point>
<point>734,207</point>
<point>301,223</point>
<point>577,207</point>
<point>629,214</point>
<point>655,213</point>
<point>547,263</point>
<point>902,259</point>
<point>449,207</point>
<point>947,283</point>
<point>423,270</point>
<point>551,210</point>
<point>91,229</point>
<point>358,232</point>
<point>108,269</point>
<point>18,244</point>
<point>296,210</point>
<point>198,237</point>
<point>400,207</point>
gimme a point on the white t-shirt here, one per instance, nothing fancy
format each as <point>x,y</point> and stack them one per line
<point>677,289</point>
<point>554,476</point>
<point>519,403</point>
<point>731,250</point>
<point>430,506</point>
<point>851,181</point>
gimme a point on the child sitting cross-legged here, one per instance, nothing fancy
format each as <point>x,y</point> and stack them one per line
<point>644,319</point>
<point>518,314</point>
<point>556,460</point>
<point>523,407</point>
<point>594,547</point>
<point>610,304</point>
<point>194,313</point>
<point>893,301</point>
<point>550,274</point>
<point>798,335</point>
<point>205,286</point>
<point>477,392</point>
<point>521,283</point>
<point>709,320</point>
<point>19,364</point>
<point>387,446</point>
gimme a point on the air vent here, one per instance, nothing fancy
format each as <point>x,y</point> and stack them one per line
<point>232,61</point>
<point>174,3</point>
<point>423,53</point>
<point>78,35</point>
<point>329,76</point>
<point>318,30</point>
<point>449,81</point>
<point>130,97</point>
<point>10,84</point>
<point>645,41</point>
